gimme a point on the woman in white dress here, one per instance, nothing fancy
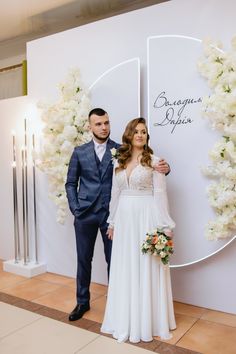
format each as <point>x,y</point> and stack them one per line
<point>139,302</point>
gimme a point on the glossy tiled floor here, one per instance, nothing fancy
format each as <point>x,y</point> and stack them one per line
<point>33,319</point>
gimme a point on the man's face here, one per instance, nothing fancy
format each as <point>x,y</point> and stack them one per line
<point>100,127</point>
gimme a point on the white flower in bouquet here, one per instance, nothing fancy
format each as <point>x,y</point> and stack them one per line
<point>163,254</point>
<point>158,246</point>
<point>162,240</point>
<point>70,133</point>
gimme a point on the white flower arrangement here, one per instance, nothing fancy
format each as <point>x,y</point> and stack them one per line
<point>66,126</point>
<point>219,68</point>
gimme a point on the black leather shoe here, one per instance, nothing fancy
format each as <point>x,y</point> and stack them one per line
<point>78,312</point>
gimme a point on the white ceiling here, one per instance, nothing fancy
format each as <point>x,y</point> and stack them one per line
<point>24,20</point>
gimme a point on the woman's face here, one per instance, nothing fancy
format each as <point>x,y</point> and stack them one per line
<point>140,136</point>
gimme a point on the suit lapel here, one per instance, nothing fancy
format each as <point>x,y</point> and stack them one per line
<point>91,158</point>
<point>106,159</point>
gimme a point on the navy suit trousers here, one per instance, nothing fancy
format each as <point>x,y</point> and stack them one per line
<point>86,229</point>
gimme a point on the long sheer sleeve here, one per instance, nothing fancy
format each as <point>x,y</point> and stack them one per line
<point>115,193</point>
<point>161,200</point>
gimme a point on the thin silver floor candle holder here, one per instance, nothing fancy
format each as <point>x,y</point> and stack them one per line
<point>25,266</point>
<point>35,206</point>
<point>15,204</point>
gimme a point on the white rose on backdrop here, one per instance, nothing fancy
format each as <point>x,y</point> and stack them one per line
<point>230,130</point>
<point>231,150</point>
<point>59,139</point>
<point>219,69</point>
<point>211,46</point>
<point>80,123</point>
<point>50,149</point>
<point>230,173</point>
<point>216,230</point>
<point>218,151</point>
<point>66,126</point>
<point>226,198</point>
<point>67,148</point>
<point>210,171</point>
<point>85,137</point>
<point>230,78</point>
<point>222,166</point>
<point>70,133</point>
<point>230,101</point>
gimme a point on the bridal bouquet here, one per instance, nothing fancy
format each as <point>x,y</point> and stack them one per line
<point>159,243</point>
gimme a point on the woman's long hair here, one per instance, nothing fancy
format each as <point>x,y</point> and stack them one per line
<point>125,150</point>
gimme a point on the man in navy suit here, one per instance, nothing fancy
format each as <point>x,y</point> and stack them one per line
<point>91,166</point>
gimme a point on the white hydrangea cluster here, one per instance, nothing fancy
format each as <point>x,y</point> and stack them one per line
<point>219,68</point>
<point>65,126</point>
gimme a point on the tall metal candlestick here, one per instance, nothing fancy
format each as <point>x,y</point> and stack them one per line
<point>35,210</point>
<point>15,203</point>
<point>23,207</point>
<point>26,192</point>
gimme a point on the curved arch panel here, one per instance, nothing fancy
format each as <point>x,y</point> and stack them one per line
<point>178,133</point>
<point>118,92</point>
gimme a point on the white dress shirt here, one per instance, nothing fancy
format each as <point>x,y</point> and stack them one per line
<point>100,149</point>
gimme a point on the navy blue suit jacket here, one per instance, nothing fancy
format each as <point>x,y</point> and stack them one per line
<point>94,189</point>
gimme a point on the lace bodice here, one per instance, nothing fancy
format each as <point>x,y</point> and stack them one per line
<point>141,178</point>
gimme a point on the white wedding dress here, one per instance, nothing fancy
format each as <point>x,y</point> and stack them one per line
<point>139,302</point>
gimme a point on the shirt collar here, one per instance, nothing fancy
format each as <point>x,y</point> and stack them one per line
<point>103,145</point>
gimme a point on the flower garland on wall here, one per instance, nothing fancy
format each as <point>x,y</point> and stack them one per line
<point>219,68</point>
<point>65,126</point>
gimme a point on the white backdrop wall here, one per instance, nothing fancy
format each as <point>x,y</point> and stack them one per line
<point>95,48</point>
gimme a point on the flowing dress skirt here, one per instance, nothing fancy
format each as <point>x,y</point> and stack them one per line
<point>139,302</point>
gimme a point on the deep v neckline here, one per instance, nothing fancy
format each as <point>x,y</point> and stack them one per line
<point>126,175</point>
